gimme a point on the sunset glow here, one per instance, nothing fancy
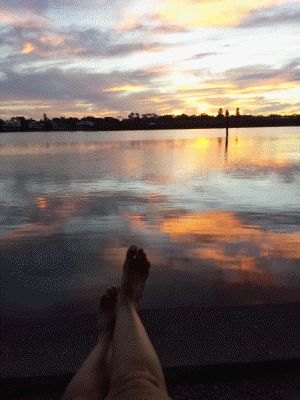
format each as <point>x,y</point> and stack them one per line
<point>164,57</point>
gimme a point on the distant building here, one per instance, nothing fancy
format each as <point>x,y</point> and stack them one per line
<point>84,124</point>
<point>12,125</point>
<point>34,125</point>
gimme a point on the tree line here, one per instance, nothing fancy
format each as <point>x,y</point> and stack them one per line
<point>149,121</point>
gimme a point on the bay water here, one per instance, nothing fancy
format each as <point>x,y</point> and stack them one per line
<point>220,223</point>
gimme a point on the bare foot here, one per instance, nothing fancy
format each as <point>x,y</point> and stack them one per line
<point>135,273</point>
<point>107,312</point>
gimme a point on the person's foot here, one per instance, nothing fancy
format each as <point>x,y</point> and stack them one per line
<point>135,273</point>
<point>107,312</point>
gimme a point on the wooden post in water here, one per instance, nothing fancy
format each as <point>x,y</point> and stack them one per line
<point>226,124</point>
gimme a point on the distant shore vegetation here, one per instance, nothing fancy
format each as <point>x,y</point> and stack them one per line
<point>148,122</point>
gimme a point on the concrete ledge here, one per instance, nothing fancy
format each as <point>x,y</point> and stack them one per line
<point>55,385</point>
<point>182,337</point>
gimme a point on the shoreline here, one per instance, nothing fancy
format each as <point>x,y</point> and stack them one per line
<point>153,128</point>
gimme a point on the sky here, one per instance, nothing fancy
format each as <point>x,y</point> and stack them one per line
<point>101,58</point>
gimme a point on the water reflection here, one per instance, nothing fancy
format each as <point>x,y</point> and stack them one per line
<point>220,221</point>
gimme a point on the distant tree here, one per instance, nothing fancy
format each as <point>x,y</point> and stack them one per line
<point>147,116</point>
<point>47,123</point>
<point>133,115</point>
<point>220,111</point>
<point>168,118</point>
<point>71,123</point>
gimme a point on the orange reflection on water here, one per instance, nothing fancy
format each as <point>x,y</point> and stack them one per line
<point>285,246</point>
<point>33,229</point>
<point>41,203</point>
<point>226,227</point>
<point>222,240</point>
<point>216,226</point>
<point>49,215</point>
<point>221,260</point>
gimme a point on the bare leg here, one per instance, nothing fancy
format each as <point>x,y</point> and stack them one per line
<point>92,379</point>
<point>132,350</point>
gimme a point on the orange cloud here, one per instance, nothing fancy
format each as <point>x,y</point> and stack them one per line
<point>27,48</point>
<point>129,23</point>
<point>124,88</point>
<point>50,39</point>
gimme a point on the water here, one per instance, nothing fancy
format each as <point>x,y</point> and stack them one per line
<point>221,226</point>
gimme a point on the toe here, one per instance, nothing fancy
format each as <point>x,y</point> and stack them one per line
<point>115,290</point>
<point>131,252</point>
<point>142,256</point>
<point>103,301</point>
<point>140,253</point>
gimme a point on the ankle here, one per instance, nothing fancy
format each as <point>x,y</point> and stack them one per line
<point>126,301</point>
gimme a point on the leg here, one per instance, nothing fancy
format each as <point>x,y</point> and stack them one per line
<point>92,379</point>
<point>132,351</point>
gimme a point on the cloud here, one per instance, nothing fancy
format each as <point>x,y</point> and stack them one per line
<point>166,29</point>
<point>203,55</point>
<point>39,43</point>
<point>76,93</point>
<point>260,105</point>
<point>57,84</point>
<point>150,25</point>
<point>24,18</point>
<point>37,6</point>
<point>33,44</point>
<point>224,13</point>
<point>131,27</point>
<point>270,16</point>
<point>214,13</point>
<point>254,75</point>
<point>41,6</point>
